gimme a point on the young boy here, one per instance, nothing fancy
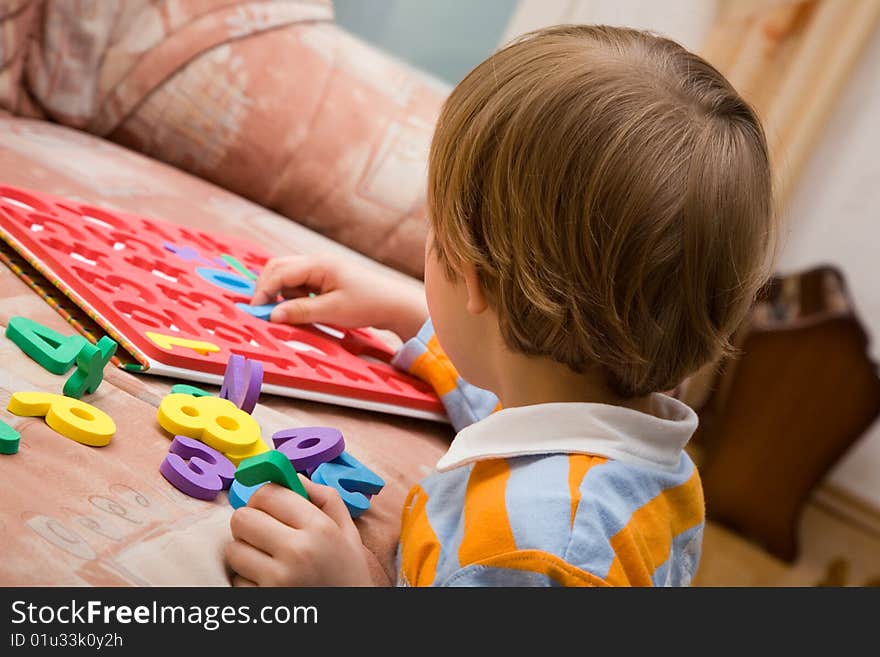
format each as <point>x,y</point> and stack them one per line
<point>600,207</point>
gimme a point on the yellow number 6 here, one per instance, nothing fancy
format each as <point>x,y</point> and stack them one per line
<point>70,417</point>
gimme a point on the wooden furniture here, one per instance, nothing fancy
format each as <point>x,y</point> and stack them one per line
<point>790,59</point>
<point>780,416</point>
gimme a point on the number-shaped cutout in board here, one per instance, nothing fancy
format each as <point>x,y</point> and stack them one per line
<point>138,279</point>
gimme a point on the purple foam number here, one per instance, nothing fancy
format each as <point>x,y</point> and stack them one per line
<point>187,253</point>
<point>242,382</point>
<point>309,447</point>
<point>195,469</point>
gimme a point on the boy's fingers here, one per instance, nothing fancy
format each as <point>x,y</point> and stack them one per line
<point>290,272</point>
<point>260,530</point>
<point>305,310</point>
<point>294,292</point>
<point>328,500</point>
<point>248,562</point>
<point>284,505</point>
<point>241,582</point>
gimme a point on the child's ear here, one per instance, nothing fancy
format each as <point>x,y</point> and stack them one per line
<point>476,298</point>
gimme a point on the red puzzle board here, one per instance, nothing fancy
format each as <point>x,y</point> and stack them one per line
<point>117,267</point>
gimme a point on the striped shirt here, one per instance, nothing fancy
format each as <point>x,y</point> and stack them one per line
<point>561,494</point>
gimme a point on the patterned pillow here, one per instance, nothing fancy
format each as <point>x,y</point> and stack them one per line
<point>17,20</point>
<point>270,100</point>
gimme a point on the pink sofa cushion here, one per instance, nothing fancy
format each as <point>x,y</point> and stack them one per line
<point>270,100</point>
<point>17,22</point>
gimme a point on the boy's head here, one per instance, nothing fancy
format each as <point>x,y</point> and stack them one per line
<point>611,191</point>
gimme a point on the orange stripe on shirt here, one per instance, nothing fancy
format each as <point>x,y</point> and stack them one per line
<point>435,368</point>
<point>487,529</point>
<point>646,540</point>
<point>420,549</point>
<point>578,466</point>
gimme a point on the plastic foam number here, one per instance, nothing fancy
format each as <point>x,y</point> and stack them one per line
<point>196,469</point>
<point>242,382</point>
<point>168,342</point>
<point>70,417</point>
<point>309,447</point>
<point>9,439</point>
<point>52,350</point>
<point>239,494</point>
<point>186,389</point>
<point>355,482</point>
<point>228,281</point>
<point>233,262</point>
<point>216,422</point>
<point>90,364</point>
<point>271,466</point>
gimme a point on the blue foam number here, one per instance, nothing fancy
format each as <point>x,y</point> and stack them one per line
<point>354,481</point>
<point>260,312</point>
<point>227,280</point>
<point>239,494</point>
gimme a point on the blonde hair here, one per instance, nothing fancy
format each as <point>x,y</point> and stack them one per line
<point>613,191</point>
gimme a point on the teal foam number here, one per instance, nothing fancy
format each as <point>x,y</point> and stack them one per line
<point>233,262</point>
<point>90,364</point>
<point>53,351</point>
<point>355,482</point>
<point>270,466</point>
<point>186,389</point>
<point>239,494</point>
<point>9,438</point>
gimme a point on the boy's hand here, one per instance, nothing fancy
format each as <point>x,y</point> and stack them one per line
<point>348,295</point>
<point>281,539</point>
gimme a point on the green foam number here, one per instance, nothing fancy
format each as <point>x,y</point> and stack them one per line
<point>233,262</point>
<point>53,351</point>
<point>186,389</point>
<point>90,364</point>
<point>270,466</point>
<point>9,439</point>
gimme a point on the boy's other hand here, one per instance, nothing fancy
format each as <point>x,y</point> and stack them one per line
<point>347,294</point>
<point>282,539</point>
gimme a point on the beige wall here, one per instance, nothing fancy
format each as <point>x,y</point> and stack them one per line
<point>834,217</point>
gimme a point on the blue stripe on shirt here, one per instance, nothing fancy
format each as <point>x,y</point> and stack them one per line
<point>539,502</point>
<point>446,492</point>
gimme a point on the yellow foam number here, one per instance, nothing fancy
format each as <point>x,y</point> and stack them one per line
<point>259,447</point>
<point>70,417</point>
<point>216,422</point>
<point>169,342</point>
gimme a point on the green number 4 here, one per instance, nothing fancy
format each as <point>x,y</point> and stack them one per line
<point>56,352</point>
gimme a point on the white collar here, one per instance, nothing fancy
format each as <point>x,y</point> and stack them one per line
<point>652,439</point>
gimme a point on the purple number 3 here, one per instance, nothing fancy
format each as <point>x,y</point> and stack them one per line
<point>196,469</point>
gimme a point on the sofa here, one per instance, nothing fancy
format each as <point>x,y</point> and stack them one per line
<point>262,120</point>
<point>258,119</point>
